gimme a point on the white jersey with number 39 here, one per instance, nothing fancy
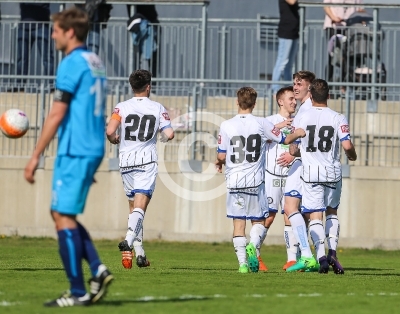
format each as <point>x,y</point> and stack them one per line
<point>320,148</point>
<point>141,120</point>
<point>243,139</point>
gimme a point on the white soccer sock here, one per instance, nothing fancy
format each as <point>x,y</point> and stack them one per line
<point>292,245</point>
<point>332,230</point>
<point>138,244</point>
<point>258,248</point>
<point>257,232</point>
<point>318,237</point>
<point>135,224</point>
<point>300,233</point>
<point>239,243</point>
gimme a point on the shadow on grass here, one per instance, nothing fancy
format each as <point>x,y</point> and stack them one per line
<point>36,269</point>
<point>154,300</point>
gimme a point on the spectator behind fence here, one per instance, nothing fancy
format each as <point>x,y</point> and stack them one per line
<point>34,27</point>
<point>99,14</point>
<point>335,20</point>
<point>145,36</point>
<point>288,36</point>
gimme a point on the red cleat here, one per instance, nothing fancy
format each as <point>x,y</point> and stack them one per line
<point>288,264</point>
<point>261,265</point>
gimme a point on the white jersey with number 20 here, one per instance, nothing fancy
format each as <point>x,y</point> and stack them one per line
<point>141,120</point>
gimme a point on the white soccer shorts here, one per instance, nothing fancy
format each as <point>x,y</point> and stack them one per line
<point>139,179</point>
<point>247,203</point>
<point>318,196</point>
<point>274,189</point>
<point>293,186</point>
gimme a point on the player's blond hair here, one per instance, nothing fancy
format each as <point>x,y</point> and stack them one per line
<point>282,92</point>
<point>247,97</point>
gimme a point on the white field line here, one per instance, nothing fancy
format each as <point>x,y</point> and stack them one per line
<point>150,298</point>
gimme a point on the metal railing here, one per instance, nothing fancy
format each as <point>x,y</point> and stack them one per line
<point>199,71</point>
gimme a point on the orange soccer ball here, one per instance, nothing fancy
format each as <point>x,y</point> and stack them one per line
<point>14,123</point>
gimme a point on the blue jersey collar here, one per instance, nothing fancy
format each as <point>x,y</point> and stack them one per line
<point>83,47</point>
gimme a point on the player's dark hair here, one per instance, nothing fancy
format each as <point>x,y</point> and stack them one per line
<point>304,75</point>
<point>73,18</point>
<point>139,80</point>
<point>282,92</point>
<point>247,97</point>
<point>319,90</point>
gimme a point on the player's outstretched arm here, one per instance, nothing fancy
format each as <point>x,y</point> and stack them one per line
<point>221,158</point>
<point>111,131</point>
<point>294,136</point>
<point>167,135</point>
<point>349,150</point>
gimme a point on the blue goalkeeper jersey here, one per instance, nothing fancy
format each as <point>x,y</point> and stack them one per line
<point>82,131</point>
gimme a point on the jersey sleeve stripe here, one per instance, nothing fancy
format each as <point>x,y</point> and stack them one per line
<point>166,127</point>
<point>346,138</point>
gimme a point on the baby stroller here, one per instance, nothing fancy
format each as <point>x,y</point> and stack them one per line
<point>352,51</point>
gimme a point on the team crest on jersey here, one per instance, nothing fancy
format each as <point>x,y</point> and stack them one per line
<point>116,111</point>
<point>95,64</point>
<point>345,128</point>
<point>166,116</point>
<point>219,139</point>
<point>276,131</point>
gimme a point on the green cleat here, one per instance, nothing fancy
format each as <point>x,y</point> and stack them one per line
<point>252,259</point>
<point>313,269</point>
<point>244,269</point>
<point>303,264</point>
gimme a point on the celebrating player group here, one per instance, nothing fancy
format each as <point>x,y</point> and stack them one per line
<point>286,161</point>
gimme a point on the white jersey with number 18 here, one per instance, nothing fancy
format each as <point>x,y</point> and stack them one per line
<point>243,140</point>
<point>141,120</point>
<point>320,148</point>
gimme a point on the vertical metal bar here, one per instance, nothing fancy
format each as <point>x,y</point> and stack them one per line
<point>302,12</point>
<point>203,45</point>
<point>374,51</point>
<point>271,102</point>
<point>223,55</point>
<point>130,43</point>
<point>192,117</point>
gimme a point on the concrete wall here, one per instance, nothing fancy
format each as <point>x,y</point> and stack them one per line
<point>368,212</point>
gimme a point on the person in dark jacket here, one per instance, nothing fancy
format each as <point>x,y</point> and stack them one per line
<point>145,29</point>
<point>34,28</point>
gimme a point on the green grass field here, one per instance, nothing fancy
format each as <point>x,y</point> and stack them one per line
<point>200,278</point>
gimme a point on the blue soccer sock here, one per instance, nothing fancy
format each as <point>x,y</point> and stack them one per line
<point>70,249</point>
<point>89,251</point>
